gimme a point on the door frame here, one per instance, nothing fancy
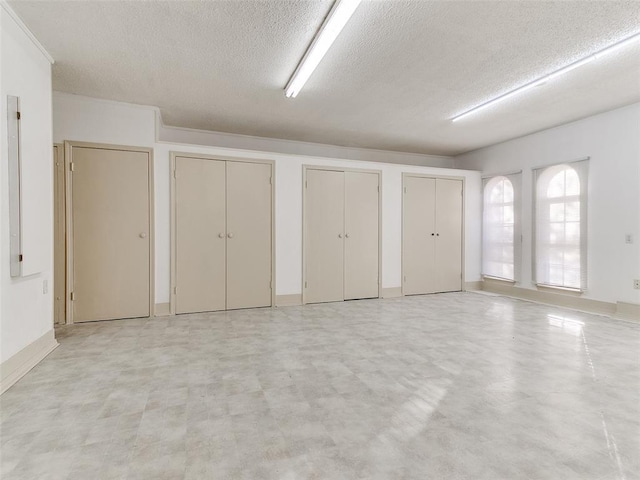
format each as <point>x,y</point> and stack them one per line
<point>436,177</point>
<point>68,160</point>
<point>305,168</point>
<point>62,217</point>
<point>221,158</point>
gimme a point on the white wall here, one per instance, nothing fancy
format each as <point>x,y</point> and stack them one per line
<point>25,71</point>
<point>612,140</point>
<point>85,119</point>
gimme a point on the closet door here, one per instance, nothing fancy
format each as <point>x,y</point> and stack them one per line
<point>200,235</point>
<point>248,235</point>
<point>419,236</point>
<point>324,236</point>
<point>448,259</point>
<point>110,233</point>
<point>361,235</point>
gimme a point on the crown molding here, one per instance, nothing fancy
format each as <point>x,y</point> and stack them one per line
<point>14,16</point>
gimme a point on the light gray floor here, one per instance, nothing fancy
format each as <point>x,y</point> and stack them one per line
<point>445,386</point>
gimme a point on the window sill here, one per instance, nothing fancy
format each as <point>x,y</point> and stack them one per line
<point>576,292</point>
<point>498,280</point>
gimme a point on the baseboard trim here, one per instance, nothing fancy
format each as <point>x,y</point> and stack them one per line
<point>17,366</point>
<point>628,311</point>
<point>550,298</point>
<point>392,292</point>
<point>162,309</point>
<point>288,300</point>
<point>471,286</point>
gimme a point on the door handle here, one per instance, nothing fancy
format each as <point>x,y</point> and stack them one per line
<point>347,235</point>
<point>432,234</point>
<point>339,235</point>
<point>221,235</point>
<point>143,235</point>
<point>437,234</point>
<point>230,235</point>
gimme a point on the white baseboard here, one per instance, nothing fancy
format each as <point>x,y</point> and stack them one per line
<point>392,292</point>
<point>623,310</point>
<point>473,286</point>
<point>628,311</point>
<point>288,300</point>
<point>17,366</point>
<point>162,309</point>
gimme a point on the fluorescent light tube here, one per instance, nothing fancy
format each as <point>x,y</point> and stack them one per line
<point>334,23</point>
<point>542,80</point>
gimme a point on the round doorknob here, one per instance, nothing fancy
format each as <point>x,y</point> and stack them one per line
<point>339,235</point>
<point>347,235</point>
<point>432,234</point>
<point>230,235</point>
<point>143,235</point>
<point>221,235</point>
<point>437,234</point>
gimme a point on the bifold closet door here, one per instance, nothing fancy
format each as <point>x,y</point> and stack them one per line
<point>324,233</point>
<point>110,215</point>
<point>361,235</point>
<point>419,236</point>
<point>200,203</point>
<point>448,259</point>
<point>248,235</point>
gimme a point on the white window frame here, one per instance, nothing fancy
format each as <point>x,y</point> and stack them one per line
<point>516,181</point>
<point>539,203</point>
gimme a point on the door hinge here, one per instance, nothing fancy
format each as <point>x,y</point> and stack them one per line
<point>175,289</point>
<point>174,174</point>
<point>305,184</point>
<point>405,189</point>
<point>270,180</point>
<point>378,188</point>
<point>270,283</point>
<point>71,166</point>
<point>18,115</point>
<point>305,284</point>
<point>73,296</point>
<point>20,257</point>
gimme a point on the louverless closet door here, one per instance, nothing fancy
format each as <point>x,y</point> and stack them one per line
<point>110,234</point>
<point>419,236</point>
<point>361,235</point>
<point>248,235</point>
<point>324,235</point>
<point>448,259</point>
<point>200,235</point>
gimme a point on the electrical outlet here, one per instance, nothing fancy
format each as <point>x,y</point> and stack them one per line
<point>45,286</point>
<point>636,284</point>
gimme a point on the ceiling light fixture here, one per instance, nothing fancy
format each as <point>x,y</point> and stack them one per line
<point>332,26</point>
<point>540,81</point>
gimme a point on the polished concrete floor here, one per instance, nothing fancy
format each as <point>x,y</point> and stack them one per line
<point>451,386</point>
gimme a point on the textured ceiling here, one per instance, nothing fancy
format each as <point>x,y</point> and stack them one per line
<point>393,79</point>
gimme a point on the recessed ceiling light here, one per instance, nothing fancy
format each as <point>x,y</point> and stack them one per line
<point>334,23</point>
<point>551,76</point>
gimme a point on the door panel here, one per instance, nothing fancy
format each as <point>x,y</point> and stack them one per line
<point>418,239</point>
<point>324,231</point>
<point>111,234</point>
<point>361,235</point>
<point>449,227</point>
<point>200,235</point>
<point>249,235</point>
<point>59,247</point>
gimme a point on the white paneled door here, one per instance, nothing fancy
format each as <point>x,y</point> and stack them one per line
<point>432,235</point>
<point>341,236</point>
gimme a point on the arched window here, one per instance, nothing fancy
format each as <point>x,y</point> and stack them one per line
<point>498,229</point>
<point>559,228</point>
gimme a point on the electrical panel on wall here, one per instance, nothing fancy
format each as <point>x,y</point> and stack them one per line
<point>15,224</point>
